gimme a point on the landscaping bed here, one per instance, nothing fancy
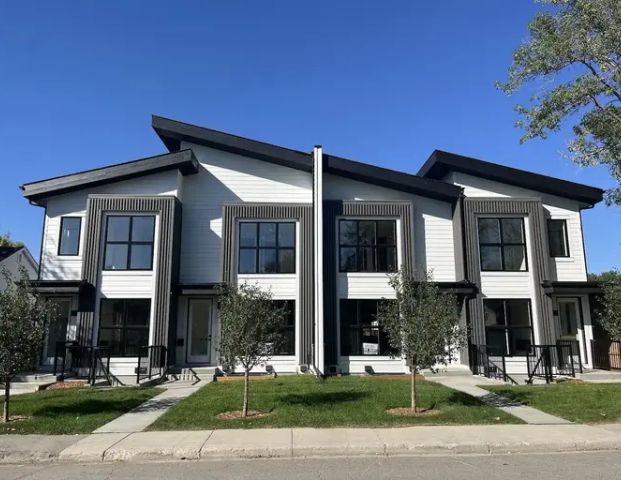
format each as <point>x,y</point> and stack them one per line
<point>581,403</point>
<point>72,410</point>
<point>305,401</point>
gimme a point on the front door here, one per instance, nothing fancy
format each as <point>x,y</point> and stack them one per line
<point>56,329</point>
<point>570,318</point>
<point>199,330</point>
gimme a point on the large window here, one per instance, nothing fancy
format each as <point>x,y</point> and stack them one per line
<point>129,242</point>
<point>288,331</point>
<point>266,247</point>
<point>508,326</point>
<point>69,242</point>
<point>367,245</point>
<point>557,238</point>
<point>124,325</point>
<point>502,244</point>
<point>361,333</point>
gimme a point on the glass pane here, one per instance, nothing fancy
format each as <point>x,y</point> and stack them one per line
<point>515,257</point>
<point>118,229</point>
<point>141,256</point>
<point>557,237</point>
<point>134,339</point>
<point>520,341</point>
<point>267,234</point>
<point>116,257</point>
<point>138,312</point>
<point>370,341</point>
<point>386,259</point>
<point>286,260</point>
<point>348,313</point>
<point>496,341</point>
<point>267,260</point>
<point>199,336</point>
<point>568,317</point>
<point>288,346</point>
<point>286,235</point>
<point>386,232</point>
<point>494,313</point>
<point>111,338</point>
<point>248,234</point>
<point>489,230</point>
<point>348,232</point>
<point>247,260</point>
<point>57,329</point>
<point>518,312</point>
<point>142,228</point>
<point>69,236</point>
<point>512,230</point>
<point>490,258</point>
<point>347,261</point>
<point>368,312</point>
<point>366,232</point>
<point>366,259</point>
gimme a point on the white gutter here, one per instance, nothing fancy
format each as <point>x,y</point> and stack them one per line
<point>319,358</point>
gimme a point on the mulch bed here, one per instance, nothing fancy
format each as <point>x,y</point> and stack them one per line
<point>408,412</point>
<point>70,384</point>
<point>237,414</point>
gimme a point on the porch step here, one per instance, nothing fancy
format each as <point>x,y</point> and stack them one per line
<point>600,375</point>
<point>192,374</point>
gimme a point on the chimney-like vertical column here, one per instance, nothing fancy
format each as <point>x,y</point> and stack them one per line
<point>319,344</point>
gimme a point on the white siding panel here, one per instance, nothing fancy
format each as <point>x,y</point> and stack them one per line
<point>282,286</point>
<point>127,284</point>
<point>363,285</point>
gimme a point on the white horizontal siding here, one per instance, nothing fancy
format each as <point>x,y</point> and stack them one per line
<point>364,285</point>
<point>282,286</point>
<point>127,284</point>
<point>506,284</point>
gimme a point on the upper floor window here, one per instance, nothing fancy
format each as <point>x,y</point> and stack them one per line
<point>129,242</point>
<point>69,242</point>
<point>557,238</point>
<point>367,245</point>
<point>502,244</point>
<point>266,247</point>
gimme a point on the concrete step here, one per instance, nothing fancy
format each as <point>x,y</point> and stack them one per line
<point>599,375</point>
<point>36,377</point>
<point>192,374</point>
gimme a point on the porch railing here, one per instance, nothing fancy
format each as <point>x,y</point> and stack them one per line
<point>490,362</point>
<point>152,362</point>
<point>82,361</point>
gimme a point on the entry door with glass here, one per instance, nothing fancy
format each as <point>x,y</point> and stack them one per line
<point>57,329</point>
<point>569,317</point>
<point>199,330</point>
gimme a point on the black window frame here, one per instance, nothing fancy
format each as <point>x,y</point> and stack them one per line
<point>507,328</point>
<point>257,247</point>
<point>289,327</point>
<point>129,244</point>
<point>360,246</point>
<point>60,237</point>
<point>124,328</point>
<point>384,349</point>
<point>565,238</point>
<point>503,244</point>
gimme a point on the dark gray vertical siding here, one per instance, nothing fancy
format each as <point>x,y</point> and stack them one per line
<point>333,209</point>
<point>304,214</point>
<point>536,251</point>
<point>168,209</point>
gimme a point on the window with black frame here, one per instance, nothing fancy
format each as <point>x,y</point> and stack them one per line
<point>129,242</point>
<point>288,330</point>
<point>124,325</point>
<point>361,333</point>
<point>508,326</point>
<point>69,241</point>
<point>557,238</point>
<point>367,245</point>
<point>266,247</point>
<point>502,244</point>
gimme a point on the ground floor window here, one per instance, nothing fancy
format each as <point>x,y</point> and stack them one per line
<point>288,346</point>
<point>508,326</point>
<point>124,325</point>
<point>361,333</point>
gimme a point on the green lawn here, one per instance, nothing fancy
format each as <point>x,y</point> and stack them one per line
<point>304,401</point>
<point>72,410</point>
<point>582,403</point>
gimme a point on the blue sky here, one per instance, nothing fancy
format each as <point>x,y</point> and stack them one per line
<point>380,82</point>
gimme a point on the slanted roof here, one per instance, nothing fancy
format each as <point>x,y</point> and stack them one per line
<point>440,163</point>
<point>6,252</point>
<point>183,160</point>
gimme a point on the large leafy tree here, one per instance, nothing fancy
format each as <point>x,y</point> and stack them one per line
<point>572,54</point>
<point>421,323</point>
<point>609,312</point>
<point>251,329</point>
<point>7,241</point>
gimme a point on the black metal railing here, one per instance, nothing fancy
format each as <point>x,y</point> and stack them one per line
<point>82,361</point>
<point>152,362</point>
<point>491,362</point>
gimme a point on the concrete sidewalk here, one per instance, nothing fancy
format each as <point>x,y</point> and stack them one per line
<point>309,442</point>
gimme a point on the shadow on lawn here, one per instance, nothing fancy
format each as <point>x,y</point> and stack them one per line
<point>464,399</point>
<point>322,398</point>
<point>87,407</point>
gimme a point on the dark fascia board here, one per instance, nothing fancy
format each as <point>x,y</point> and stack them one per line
<point>183,160</point>
<point>569,287</point>
<point>391,178</point>
<point>440,163</point>
<point>60,286</point>
<point>172,132</point>
<point>463,287</point>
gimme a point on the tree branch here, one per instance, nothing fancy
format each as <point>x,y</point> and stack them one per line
<point>601,79</point>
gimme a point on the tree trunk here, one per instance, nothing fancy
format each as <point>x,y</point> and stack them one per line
<point>7,391</point>
<point>413,387</point>
<point>246,385</point>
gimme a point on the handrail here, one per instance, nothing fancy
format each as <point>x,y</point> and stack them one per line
<point>157,359</point>
<point>82,357</point>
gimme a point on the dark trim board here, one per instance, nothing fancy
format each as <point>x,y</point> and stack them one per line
<point>571,288</point>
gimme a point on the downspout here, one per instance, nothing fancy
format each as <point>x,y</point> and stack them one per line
<point>318,350</point>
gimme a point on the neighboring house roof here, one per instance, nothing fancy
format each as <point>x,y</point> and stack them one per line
<point>183,160</point>
<point>440,163</point>
<point>6,252</point>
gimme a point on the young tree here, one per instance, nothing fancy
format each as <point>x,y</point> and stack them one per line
<point>23,318</point>
<point>421,323</point>
<point>609,315</point>
<point>573,53</point>
<point>251,329</point>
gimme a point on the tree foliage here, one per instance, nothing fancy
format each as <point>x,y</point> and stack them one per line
<point>573,55</point>
<point>609,312</point>
<point>23,318</point>
<point>421,323</point>
<point>251,329</point>
<point>6,241</point>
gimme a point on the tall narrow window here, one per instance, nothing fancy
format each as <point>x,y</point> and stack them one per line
<point>129,242</point>
<point>266,247</point>
<point>508,326</point>
<point>557,238</point>
<point>124,325</point>
<point>69,242</point>
<point>367,245</point>
<point>288,330</point>
<point>502,244</point>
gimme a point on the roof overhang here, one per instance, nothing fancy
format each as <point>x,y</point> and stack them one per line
<point>571,288</point>
<point>440,163</point>
<point>184,161</point>
<point>198,288</point>
<point>61,287</point>
<point>462,288</point>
